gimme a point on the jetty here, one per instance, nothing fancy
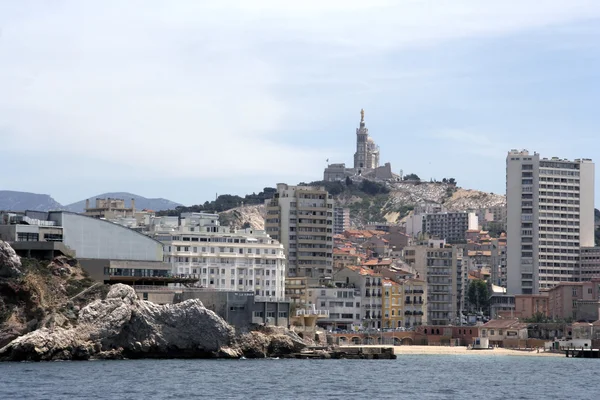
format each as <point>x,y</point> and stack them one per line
<point>350,353</point>
<point>582,353</point>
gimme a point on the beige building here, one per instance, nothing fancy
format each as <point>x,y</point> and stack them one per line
<point>440,265</point>
<point>550,216</point>
<point>563,299</point>
<point>301,218</point>
<point>109,209</point>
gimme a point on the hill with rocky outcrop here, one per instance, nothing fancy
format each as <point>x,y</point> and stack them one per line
<point>381,202</point>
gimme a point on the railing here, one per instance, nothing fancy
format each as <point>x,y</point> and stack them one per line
<point>300,313</point>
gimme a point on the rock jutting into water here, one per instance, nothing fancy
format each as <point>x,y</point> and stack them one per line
<point>122,326</point>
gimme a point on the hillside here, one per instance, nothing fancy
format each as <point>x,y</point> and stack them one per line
<point>376,202</point>
<point>244,217</point>
<point>140,202</point>
<point>21,201</point>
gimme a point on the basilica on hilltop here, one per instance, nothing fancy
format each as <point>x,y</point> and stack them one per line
<point>366,159</point>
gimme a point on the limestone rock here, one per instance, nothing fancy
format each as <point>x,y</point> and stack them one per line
<point>10,263</point>
<point>124,326</point>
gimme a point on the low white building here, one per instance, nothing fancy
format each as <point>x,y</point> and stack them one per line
<point>342,303</point>
<point>245,260</point>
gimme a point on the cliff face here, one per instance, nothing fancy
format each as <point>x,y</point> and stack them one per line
<point>36,294</point>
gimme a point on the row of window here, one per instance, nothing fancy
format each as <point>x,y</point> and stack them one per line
<point>229,250</point>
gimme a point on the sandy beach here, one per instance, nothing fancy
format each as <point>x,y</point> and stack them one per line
<point>460,350</point>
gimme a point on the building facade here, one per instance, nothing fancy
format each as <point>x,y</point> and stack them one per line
<point>243,260</point>
<point>341,220</point>
<point>589,263</point>
<point>301,218</point>
<point>109,208</point>
<point>550,216</point>
<point>449,226</point>
<point>440,265</point>
<point>342,302</point>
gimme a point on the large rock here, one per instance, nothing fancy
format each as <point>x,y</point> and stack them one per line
<point>10,263</point>
<point>124,326</point>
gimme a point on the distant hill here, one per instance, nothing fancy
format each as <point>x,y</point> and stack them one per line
<point>140,202</point>
<point>21,201</point>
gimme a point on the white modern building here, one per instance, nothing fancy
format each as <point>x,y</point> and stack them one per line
<point>243,260</point>
<point>550,216</point>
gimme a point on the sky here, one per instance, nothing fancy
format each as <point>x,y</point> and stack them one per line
<point>187,99</point>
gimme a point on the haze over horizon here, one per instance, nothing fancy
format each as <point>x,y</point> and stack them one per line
<point>183,100</point>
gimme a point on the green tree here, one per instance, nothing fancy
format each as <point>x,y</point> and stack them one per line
<point>412,177</point>
<point>478,295</point>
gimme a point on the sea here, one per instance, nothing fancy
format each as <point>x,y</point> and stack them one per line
<point>408,377</point>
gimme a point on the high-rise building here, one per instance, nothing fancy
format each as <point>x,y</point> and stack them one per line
<point>550,216</point>
<point>301,218</point>
<point>341,220</point>
<point>367,152</point>
<point>440,265</point>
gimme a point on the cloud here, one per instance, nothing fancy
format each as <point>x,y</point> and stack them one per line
<point>193,89</point>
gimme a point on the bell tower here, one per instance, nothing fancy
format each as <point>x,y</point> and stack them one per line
<point>362,134</point>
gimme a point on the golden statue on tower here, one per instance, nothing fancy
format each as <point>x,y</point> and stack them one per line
<point>362,115</point>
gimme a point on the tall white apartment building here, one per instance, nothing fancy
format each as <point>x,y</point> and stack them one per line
<point>244,260</point>
<point>301,218</point>
<point>550,217</point>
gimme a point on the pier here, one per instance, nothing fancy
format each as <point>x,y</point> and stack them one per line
<point>350,353</point>
<point>582,353</point>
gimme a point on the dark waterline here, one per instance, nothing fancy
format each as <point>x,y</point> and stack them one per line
<point>408,377</point>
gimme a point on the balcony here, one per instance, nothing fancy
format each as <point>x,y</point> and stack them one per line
<point>312,312</point>
<point>407,312</point>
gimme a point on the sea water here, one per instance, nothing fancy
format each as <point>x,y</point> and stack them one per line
<point>408,377</point>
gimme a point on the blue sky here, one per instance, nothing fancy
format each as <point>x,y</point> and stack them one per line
<point>186,99</point>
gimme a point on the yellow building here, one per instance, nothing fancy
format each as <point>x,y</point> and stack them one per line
<point>393,311</point>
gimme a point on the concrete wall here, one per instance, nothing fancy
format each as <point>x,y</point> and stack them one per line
<point>234,307</point>
<point>97,239</point>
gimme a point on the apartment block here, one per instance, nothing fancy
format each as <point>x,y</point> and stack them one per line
<point>403,303</point>
<point>440,265</point>
<point>243,260</point>
<point>449,226</point>
<point>550,217</point>
<point>369,284</point>
<point>589,261</point>
<point>301,218</point>
<point>341,220</point>
<point>343,303</point>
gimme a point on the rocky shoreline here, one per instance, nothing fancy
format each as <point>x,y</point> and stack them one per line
<point>52,311</point>
<point>123,326</point>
